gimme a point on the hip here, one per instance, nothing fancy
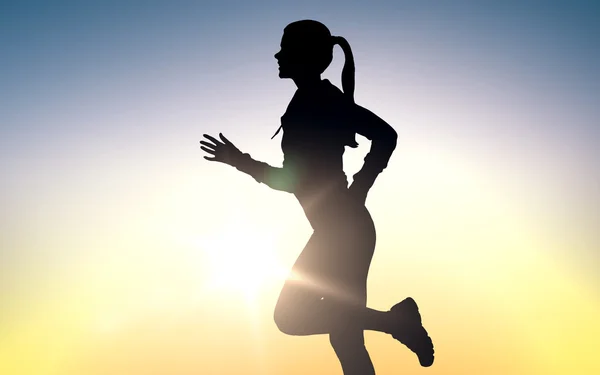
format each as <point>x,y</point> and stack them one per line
<point>338,212</point>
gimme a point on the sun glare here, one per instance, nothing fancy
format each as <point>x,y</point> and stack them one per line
<point>241,259</point>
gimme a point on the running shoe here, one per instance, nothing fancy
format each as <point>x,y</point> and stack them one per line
<point>410,332</point>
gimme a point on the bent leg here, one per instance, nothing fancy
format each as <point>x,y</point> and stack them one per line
<point>301,310</point>
<point>327,290</point>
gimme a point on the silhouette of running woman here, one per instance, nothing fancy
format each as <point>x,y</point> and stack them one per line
<point>326,292</point>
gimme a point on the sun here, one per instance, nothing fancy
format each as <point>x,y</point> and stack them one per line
<point>241,259</point>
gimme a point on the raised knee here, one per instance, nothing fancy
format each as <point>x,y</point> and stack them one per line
<point>285,322</point>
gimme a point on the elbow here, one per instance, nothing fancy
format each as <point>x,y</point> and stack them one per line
<point>392,133</point>
<point>281,179</point>
<point>386,139</point>
<point>392,137</point>
<point>385,134</point>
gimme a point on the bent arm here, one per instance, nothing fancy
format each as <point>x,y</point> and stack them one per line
<point>276,178</point>
<point>383,143</point>
<point>381,134</point>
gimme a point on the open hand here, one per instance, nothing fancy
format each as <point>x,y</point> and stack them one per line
<point>223,151</point>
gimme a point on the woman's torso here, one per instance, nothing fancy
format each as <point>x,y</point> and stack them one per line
<point>316,129</point>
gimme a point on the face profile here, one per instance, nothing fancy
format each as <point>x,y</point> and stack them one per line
<point>306,50</point>
<point>288,60</point>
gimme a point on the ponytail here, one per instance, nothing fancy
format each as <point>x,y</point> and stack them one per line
<point>348,79</point>
<point>348,72</point>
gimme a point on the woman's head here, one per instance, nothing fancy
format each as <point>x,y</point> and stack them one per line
<point>306,49</point>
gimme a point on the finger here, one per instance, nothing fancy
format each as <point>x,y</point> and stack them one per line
<point>209,145</point>
<point>225,140</point>
<point>210,151</point>
<point>210,159</point>
<point>213,139</point>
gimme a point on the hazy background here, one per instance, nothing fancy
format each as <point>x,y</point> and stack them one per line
<point>122,251</point>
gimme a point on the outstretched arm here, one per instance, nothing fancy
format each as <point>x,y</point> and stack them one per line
<point>276,178</point>
<point>225,152</point>
<point>383,143</point>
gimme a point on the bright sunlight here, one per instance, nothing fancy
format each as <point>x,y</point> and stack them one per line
<point>241,259</point>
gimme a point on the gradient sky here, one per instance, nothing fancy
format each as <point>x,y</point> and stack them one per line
<point>122,251</point>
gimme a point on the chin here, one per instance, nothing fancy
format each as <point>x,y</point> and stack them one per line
<point>283,73</point>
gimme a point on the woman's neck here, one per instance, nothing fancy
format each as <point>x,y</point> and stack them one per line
<point>307,82</point>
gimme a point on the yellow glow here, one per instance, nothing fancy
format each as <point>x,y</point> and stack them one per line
<point>241,259</point>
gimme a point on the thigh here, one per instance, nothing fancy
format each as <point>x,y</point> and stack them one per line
<point>335,263</point>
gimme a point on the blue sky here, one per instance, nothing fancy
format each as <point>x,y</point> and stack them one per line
<point>102,105</point>
<point>94,85</point>
<point>82,80</point>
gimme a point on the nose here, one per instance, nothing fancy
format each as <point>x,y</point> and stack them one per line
<point>278,55</point>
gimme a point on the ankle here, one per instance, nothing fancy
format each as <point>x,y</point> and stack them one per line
<point>389,322</point>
